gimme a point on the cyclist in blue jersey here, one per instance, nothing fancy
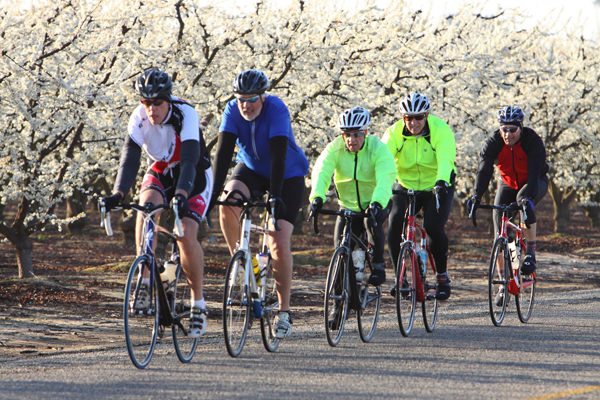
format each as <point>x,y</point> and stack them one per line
<point>168,129</point>
<point>268,160</point>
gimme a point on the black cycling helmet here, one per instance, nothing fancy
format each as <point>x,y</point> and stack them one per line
<point>251,81</point>
<point>154,83</point>
<point>510,115</point>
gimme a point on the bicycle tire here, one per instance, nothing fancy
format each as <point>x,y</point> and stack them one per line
<point>406,299</point>
<point>336,296</point>
<point>526,297</point>
<point>180,299</point>
<point>498,281</point>
<point>430,304</point>
<point>236,305</point>
<point>270,306</point>
<point>140,326</point>
<point>369,297</point>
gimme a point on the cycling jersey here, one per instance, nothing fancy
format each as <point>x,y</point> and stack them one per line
<point>360,178</point>
<point>253,137</point>
<point>520,164</point>
<point>162,143</point>
<point>422,160</point>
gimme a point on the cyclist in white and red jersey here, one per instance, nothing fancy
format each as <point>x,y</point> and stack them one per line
<point>520,156</point>
<point>168,129</point>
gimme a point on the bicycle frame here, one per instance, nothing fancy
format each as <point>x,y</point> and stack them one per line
<point>410,236</point>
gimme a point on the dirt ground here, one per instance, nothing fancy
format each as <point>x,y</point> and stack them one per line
<point>74,303</point>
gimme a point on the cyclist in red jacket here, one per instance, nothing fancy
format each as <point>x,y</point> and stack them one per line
<point>521,160</point>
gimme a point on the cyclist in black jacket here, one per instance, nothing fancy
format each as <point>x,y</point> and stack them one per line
<point>520,156</point>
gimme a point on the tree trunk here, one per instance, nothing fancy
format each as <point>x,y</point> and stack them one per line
<point>75,206</point>
<point>593,213</point>
<point>302,213</point>
<point>24,248</point>
<point>562,199</point>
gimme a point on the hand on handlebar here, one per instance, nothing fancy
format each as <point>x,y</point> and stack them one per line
<point>316,205</point>
<point>183,206</point>
<point>472,204</point>
<point>112,202</point>
<point>279,209</point>
<point>376,212</point>
<point>441,192</point>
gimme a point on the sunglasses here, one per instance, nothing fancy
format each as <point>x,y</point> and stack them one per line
<point>249,100</point>
<point>512,129</point>
<point>357,135</point>
<point>409,118</point>
<point>152,102</point>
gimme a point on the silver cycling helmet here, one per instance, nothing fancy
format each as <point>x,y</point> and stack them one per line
<point>414,103</point>
<point>510,115</point>
<point>154,83</point>
<point>354,118</point>
<point>251,81</point>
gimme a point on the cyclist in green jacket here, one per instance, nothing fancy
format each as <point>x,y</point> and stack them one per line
<point>424,150</point>
<point>363,172</point>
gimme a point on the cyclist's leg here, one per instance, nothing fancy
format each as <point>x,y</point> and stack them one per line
<point>530,234</point>
<point>434,223</point>
<point>376,238</point>
<point>396,224</point>
<point>152,190</point>
<point>280,244</point>
<point>241,179</point>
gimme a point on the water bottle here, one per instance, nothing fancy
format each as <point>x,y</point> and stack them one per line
<point>256,269</point>
<point>262,259</point>
<point>358,258</point>
<point>422,262</point>
<point>514,256</point>
<point>168,275</point>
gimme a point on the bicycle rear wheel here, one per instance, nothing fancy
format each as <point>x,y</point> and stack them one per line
<point>236,305</point>
<point>370,303</point>
<point>525,299</point>
<point>406,299</point>
<point>430,305</point>
<point>180,298</point>
<point>336,296</point>
<point>498,278</point>
<point>269,311</point>
<point>140,318</point>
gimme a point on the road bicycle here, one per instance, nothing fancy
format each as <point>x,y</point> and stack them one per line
<point>168,303</point>
<point>245,295</point>
<point>415,272</point>
<point>344,290</point>
<point>504,274</point>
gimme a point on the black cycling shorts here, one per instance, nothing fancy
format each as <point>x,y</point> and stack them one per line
<point>292,192</point>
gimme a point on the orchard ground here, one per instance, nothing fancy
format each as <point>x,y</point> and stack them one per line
<point>74,303</point>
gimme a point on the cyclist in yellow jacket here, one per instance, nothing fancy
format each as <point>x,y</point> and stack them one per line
<point>363,172</point>
<point>424,150</point>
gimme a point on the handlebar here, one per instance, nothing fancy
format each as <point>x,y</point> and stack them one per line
<point>147,208</point>
<point>237,198</point>
<point>416,193</point>
<point>342,213</point>
<point>516,206</point>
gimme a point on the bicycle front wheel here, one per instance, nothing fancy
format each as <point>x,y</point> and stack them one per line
<point>236,305</point>
<point>336,296</point>
<point>140,313</point>
<point>269,311</point>
<point>525,299</point>
<point>369,297</point>
<point>406,299</point>
<point>180,298</point>
<point>430,304</point>
<point>498,278</point>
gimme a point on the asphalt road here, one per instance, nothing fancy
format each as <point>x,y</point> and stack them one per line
<point>555,355</point>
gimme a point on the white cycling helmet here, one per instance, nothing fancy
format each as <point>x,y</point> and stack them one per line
<point>415,103</point>
<point>354,118</point>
